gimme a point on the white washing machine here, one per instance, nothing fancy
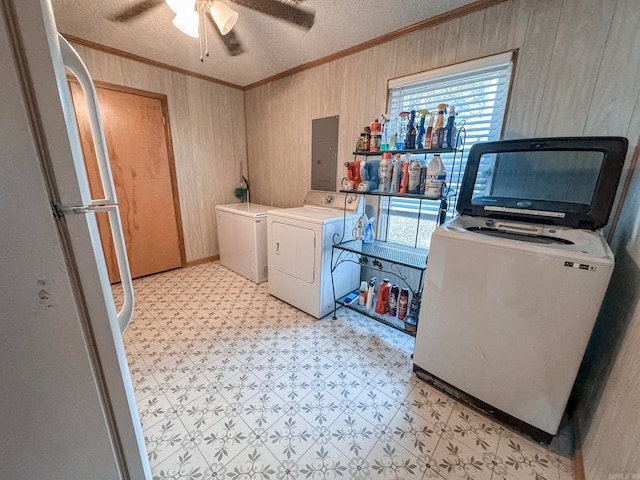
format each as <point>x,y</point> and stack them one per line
<point>242,239</point>
<point>513,286</point>
<point>300,242</point>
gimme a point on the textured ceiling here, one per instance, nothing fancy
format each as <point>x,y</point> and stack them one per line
<point>272,46</point>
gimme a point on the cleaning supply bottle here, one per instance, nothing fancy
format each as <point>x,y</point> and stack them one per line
<point>376,136</point>
<point>404,181</point>
<point>414,176</point>
<point>362,299</point>
<point>421,131</point>
<point>393,300</point>
<point>370,293</point>
<point>403,302</point>
<point>384,173</point>
<point>450,130</point>
<point>423,177</point>
<point>410,136</point>
<point>382,302</point>
<point>401,132</point>
<point>384,138</point>
<point>368,236</point>
<point>396,176</point>
<point>367,139</point>
<point>438,129</point>
<point>429,132</point>
<point>393,132</point>
<point>436,176</point>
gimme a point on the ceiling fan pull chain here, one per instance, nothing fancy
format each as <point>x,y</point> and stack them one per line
<point>200,10</point>
<point>206,36</point>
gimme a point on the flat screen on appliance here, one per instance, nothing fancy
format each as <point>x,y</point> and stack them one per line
<point>539,179</point>
<point>568,181</point>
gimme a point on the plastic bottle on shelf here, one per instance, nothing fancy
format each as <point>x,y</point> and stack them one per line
<point>367,139</point>
<point>401,131</point>
<point>396,175</point>
<point>364,288</point>
<point>403,303</point>
<point>423,177</point>
<point>404,180</point>
<point>376,136</point>
<point>382,302</point>
<point>410,136</point>
<point>438,129</point>
<point>436,176</point>
<point>370,293</point>
<point>384,173</point>
<point>429,132</point>
<point>414,176</point>
<point>450,130</point>
<point>421,131</point>
<point>384,136</point>
<point>393,300</point>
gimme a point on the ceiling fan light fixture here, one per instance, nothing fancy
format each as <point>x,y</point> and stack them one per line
<point>223,15</point>
<point>188,22</point>
<point>181,6</point>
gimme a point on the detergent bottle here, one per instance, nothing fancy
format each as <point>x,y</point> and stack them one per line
<point>396,176</point>
<point>436,176</point>
<point>450,130</point>
<point>382,303</point>
<point>414,176</point>
<point>404,181</point>
<point>438,130</point>
<point>384,173</point>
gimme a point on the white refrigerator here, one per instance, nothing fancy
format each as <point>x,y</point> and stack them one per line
<point>67,405</point>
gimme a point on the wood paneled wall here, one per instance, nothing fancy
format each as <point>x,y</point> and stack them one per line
<point>208,134</point>
<point>577,73</point>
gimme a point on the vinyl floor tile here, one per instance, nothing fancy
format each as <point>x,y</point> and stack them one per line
<point>233,383</point>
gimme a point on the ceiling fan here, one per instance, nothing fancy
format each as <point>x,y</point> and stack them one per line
<point>192,17</point>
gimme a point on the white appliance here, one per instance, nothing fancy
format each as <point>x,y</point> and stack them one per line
<point>67,402</point>
<point>511,294</point>
<point>242,239</point>
<point>300,244</point>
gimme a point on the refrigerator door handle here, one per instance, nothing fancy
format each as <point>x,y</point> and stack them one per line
<point>76,66</point>
<point>126,312</point>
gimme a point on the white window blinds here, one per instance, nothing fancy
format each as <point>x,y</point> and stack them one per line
<point>478,89</point>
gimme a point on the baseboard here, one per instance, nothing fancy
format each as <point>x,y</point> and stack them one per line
<point>578,464</point>
<point>200,261</point>
<point>578,460</point>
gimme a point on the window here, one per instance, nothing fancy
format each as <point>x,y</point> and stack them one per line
<point>479,90</point>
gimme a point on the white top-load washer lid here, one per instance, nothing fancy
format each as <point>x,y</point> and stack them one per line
<point>253,210</point>
<point>322,207</point>
<point>582,248</point>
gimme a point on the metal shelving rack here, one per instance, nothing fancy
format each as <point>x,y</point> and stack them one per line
<point>389,257</point>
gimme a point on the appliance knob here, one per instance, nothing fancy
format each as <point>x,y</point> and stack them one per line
<point>329,199</point>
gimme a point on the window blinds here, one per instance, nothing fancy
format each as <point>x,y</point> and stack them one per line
<point>478,89</point>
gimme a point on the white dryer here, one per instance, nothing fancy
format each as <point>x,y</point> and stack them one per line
<point>300,242</point>
<point>242,239</point>
<point>513,286</point>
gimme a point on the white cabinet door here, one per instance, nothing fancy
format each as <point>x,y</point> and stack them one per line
<point>293,251</point>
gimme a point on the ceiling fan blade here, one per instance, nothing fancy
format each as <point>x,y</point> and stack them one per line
<point>135,10</point>
<point>230,40</point>
<point>283,11</point>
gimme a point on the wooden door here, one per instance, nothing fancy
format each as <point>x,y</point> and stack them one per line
<point>138,142</point>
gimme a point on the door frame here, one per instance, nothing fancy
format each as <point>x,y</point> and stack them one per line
<point>169,144</point>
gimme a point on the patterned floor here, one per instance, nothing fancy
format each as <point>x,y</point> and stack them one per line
<point>232,383</point>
